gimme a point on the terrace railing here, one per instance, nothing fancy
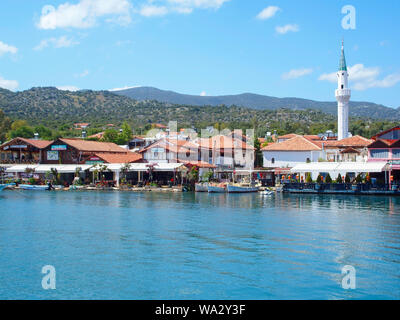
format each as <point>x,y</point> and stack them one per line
<point>338,187</point>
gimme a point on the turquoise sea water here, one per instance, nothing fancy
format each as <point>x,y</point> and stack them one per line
<point>115,245</point>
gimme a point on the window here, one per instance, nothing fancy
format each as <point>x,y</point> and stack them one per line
<point>308,160</point>
<point>342,86</point>
<point>273,160</point>
<point>379,153</point>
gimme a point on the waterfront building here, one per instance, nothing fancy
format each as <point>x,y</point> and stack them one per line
<point>386,147</point>
<point>292,151</point>
<point>343,94</point>
<point>226,153</point>
<point>21,150</point>
<point>76,151</point>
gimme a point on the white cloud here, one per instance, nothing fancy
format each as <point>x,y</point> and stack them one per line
<point>85,73</point>
<point>62,42</point>
<point>268,13</point>
<point>6,48</point>
<point>8,84</point>
<point>68,88</point>
<point>287,28</point>
<point>202,4</point>
<point>164,7</point>
<point>124,88</point>
<point>84,14</point>
<point>203,94</point>
<point>296,73</point>
<point>153,11</point>
<point>364,78</point>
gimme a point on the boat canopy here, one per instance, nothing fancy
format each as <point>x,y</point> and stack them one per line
<point>357,167</point>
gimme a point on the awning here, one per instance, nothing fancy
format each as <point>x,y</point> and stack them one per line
<point>357,167</point>
<point>43,168</point>
<point>20,168</point>
<point>143,167</point>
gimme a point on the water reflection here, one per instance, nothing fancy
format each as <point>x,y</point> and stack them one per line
<point>199,246</point>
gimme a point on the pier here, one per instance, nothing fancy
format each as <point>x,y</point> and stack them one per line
<point>341,188</point>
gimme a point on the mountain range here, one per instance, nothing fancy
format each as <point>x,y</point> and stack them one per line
<point>260,102</point>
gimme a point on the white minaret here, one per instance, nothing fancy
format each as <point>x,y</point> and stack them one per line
<point>343,94</point>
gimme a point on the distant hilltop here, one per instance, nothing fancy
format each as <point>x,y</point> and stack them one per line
<point>260,102</point>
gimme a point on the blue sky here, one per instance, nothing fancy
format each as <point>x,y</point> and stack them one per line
<point>210,47</point>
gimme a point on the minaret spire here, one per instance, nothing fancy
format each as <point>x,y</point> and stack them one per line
<point>342,63</point>
<point>343,94</point>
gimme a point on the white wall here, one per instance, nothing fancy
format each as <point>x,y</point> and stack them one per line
<point>289,158</point>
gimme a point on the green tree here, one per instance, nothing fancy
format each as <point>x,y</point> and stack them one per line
<point>44,133</point>
<point>258,159</point>
<point>328,179</point>
<point>339,178</point>
<point>23,132</point>
<point>18,124</point>
<point>110,135</point>
<point>308,178</point>
<point>5,126</point>
<point>347,178</point>
<point>126,135</point>
<point>319,179</point>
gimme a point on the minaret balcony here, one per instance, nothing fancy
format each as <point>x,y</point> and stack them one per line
<point>343,93</point>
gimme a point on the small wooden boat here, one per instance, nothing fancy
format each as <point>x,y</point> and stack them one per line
<point>241,188</point>
<point>221,188</point>
<point>201,187</point>
<point>5,186</point>
<point>33,187</point>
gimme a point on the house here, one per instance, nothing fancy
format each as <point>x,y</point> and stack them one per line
<point>354,149</point>
<point>170,151</point>
<point>292,150</point>
<point>226,153</point>
<point>81,126</point>
<point>136,143</point>
<point>76,151</point>
<point>385,146</point>
<point>21,150</point>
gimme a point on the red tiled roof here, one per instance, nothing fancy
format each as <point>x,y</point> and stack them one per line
<point>297,143</point>
<point>97,135</point>
<point>350,150</point>
<point>128,157</point>
<point>223,142</point>
<point>92,146</point>
<point>355,141</point>
<point>169,146</point>
<point>40,144</point>
<point>199,164</point>
<point>288,136</point>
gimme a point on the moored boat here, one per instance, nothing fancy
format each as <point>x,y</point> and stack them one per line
<point>33,187</point>
<point>5,186</point>
<point>241,189</point>
<point>221,188</point>
<point>201,187</point>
